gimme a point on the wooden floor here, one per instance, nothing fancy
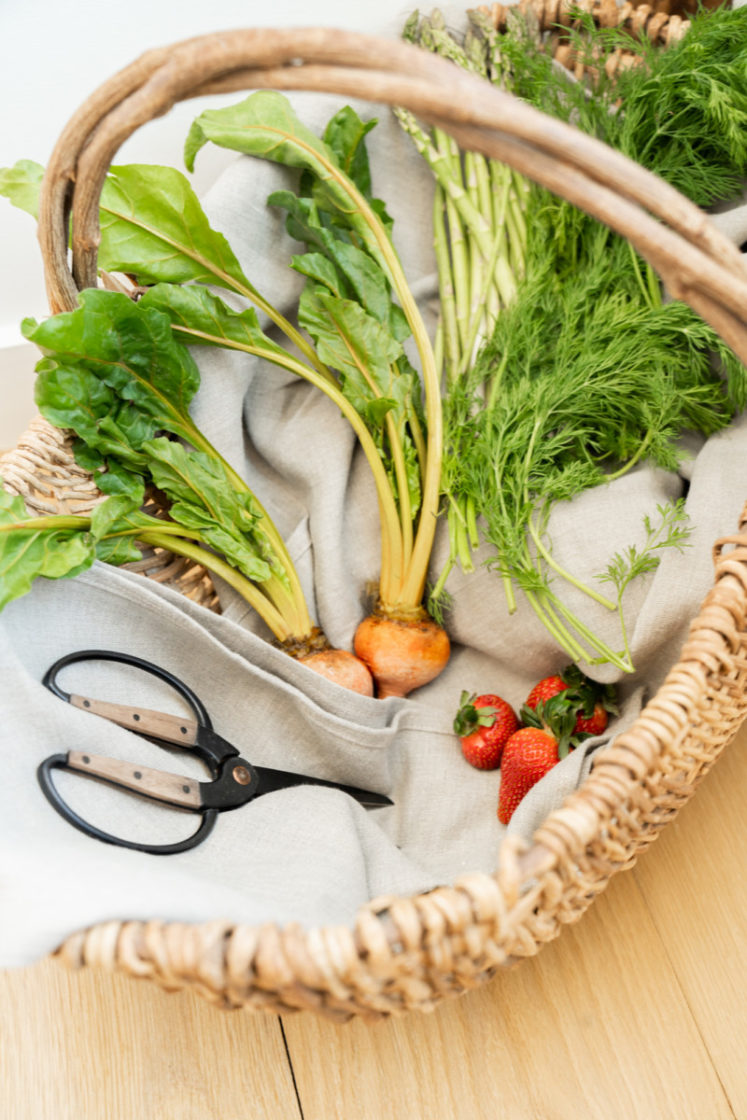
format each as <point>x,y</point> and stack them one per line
<point>638,1012</point>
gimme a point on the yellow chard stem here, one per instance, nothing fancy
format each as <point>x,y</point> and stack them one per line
<point>391,535</point>
<point>413,584</point>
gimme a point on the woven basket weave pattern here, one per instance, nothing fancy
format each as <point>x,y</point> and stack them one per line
<point>409,953</point>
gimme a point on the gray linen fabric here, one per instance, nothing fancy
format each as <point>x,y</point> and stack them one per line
<point>312,855</point>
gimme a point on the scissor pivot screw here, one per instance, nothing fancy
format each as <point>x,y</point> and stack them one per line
<point>242,775</point>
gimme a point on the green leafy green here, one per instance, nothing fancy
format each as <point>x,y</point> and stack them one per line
<point>337,262</point>
<point>355,306</point>
<point>115,374</point>
<point>265,125</point>
<point>119,376</point>
<point>115,525</point>
<point>345,135</point>
<point>153,226</point>
<point>29,552</point>
<point>61,545</point>
<point>577,368</point>
<point>355,344</point>
<point>111,349</point>
<point>199,317</point>
<point>21,185</point>
<point>203,499</point>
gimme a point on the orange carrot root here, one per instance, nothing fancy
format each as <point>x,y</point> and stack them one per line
<point>341,667</point>
<point>402,653</point>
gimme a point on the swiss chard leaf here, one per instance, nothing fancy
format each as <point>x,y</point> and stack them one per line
<point>59,545</point>
<point>363,276</point>
<point>111,476</point>
<point>303,221</point>
<point>21,184</point>
<point>265,125</point>
<point>153,226</point>
<point>202,499</point>
<point>200,317</point>
<point>29,552</point>
<point>375,375</point>
<point>116,523</point>
<point>349,271</point>
<point>345,135</point>
<point>111,348</point>
<point>317,267</point>
<point>355,344</point>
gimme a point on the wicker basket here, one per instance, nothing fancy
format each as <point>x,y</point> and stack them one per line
<point>409,953</point>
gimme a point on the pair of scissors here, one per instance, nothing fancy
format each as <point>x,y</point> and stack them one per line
<point>234,781</point>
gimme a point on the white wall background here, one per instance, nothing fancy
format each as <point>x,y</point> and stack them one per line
<point>53,54</point>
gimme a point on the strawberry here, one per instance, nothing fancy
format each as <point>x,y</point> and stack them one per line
<point>545,689</point>
<point>595,724</point>
<point>483,724</point>
<point>592,702</point>
<point>532,751</point>
<point>528,755</point>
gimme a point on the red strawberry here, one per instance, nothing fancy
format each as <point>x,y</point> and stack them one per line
<point>548,736</point>
<point>545,689</point>
<point>591,701</point>
<point>528,755</point>
<point>483,724</point>
<point>596,722</point>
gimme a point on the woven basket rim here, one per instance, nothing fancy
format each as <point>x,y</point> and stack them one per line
<point>409,953</point>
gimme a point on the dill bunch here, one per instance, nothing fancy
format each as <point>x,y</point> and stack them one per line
<point>681,112</point>
<point>569,398</point>
<point>588,370</point>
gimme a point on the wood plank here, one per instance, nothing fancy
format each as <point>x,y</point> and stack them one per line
<point>695,886</point>
<point>596,1027</point>
<point>86,1045</point>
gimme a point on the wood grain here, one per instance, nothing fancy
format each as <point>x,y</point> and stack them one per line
<point>695,887</point>
<point>596,1027</point>
<point>159,784</point>
<point>87,1045</point>
<point>638,1012</point>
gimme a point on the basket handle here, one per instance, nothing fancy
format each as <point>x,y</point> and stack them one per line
<point>697,263</point>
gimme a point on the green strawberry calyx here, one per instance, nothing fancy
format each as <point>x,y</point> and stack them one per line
<point>558,719</point>
<point>469,718</point>
<point>587,694</point>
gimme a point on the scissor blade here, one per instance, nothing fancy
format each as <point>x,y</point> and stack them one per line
<point>271,780</point>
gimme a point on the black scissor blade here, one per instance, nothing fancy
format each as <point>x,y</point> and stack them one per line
<point>272,780</point>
